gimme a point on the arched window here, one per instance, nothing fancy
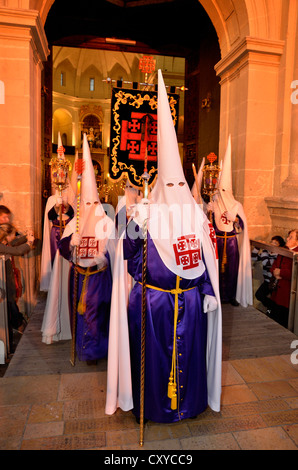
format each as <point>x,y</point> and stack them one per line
<point>93,128</point>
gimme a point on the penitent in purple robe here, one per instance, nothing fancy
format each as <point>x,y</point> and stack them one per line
<point>191,337</point>
<point>55,230</point>
<point>228,274</point>
<point>93,326</point>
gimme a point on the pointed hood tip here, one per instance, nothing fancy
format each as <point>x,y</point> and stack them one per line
<point>169,160</point>
<point>225,181</point>
<point>89,188</point>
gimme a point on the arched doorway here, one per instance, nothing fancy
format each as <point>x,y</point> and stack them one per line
<point>176,28</point>
<point>251,41</point>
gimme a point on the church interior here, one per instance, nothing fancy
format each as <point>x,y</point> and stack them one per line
<point>232,67</point>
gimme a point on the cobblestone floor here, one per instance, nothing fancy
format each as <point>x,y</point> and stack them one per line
<point>65,411</point>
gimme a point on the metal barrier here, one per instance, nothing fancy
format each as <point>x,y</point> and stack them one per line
<point>293,308</point>
<point>4,335</point>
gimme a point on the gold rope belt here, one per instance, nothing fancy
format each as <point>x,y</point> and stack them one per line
<point>58,225</point>
<point>224,255</point>
<point>226,236</point>
<point>172,385</point>
<point>87,272</point>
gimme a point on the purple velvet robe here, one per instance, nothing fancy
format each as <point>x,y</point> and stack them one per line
<point>191,337</point>
<point>92,328</point>
<point>229,275</point>
<point>55,230</point>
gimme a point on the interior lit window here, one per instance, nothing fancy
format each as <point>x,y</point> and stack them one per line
<point>91,84</point>
<point>62,79</point>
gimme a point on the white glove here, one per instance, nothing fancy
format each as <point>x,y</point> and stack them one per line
<point>75,239</point>
<point>30,238</point>
<point>142,212</point>
<point>209,303</point>
<point>58,200</point>
<point>131,210</point>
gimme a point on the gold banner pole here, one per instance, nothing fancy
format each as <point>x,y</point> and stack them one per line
<point>79,171</point>
<point>195,176</point>
<point>145,178</point>
<point>60,211</point>
<point>60,167</point>
<point>210,179</point>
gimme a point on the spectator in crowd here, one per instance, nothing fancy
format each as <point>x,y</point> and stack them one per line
<point>282,271</point>
<point>267,258</point>
<point>7,234</point>
<point>5,215</point>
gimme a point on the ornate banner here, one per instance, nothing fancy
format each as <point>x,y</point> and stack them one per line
<point>133,132</point>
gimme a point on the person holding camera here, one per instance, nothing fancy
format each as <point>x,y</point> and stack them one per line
<point>16,320</point>
<point>282,270</point>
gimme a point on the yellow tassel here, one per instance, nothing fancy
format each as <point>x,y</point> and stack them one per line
<point>224,256</point>
<point>171,387</point>
<point>82,301</point>
<point>174,402</point>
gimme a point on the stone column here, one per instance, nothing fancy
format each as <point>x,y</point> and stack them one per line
<point>249,93</point>
<point>23,49</point>
<point>283,204</point>
<point>290,185</point>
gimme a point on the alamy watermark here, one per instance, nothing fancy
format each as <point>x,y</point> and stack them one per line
<point>294,94</point>
<point>166,221</point>
<point>294,355</point>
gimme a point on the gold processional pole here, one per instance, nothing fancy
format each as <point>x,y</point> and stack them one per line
<point>60,168</point>
<point>210,179</point>
<point>145,178</point>
<point>79,171</point>
<point>196,181</point>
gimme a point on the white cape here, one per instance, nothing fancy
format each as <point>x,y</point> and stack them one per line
<point>46,264</point>
<point>56,322</point>
<point>244,293</point>
<point>119,386</point>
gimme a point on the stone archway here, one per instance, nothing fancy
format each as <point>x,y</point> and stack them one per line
<point>257,43</point>
<point>250,37</point>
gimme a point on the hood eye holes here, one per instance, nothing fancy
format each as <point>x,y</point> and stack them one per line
<point>170,185</point>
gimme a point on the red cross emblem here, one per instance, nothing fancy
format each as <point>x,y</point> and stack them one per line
<point>212,236</point>
<point>61,150</point>
<point>224,218</point>
<point>88,248</point>
<point>147,64</point>
<point>187,252</point>
<point>135,139</point>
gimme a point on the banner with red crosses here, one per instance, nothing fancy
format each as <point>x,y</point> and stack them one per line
<point>134,133</point>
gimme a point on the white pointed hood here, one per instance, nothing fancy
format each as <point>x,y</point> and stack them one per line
<point>196,189</point>
<point>68,195</point>
<point>224,199</point>
<point>90,207</point>
<point>94,224</point>
<point>60,148</point>
<point>176,220</point>
<point>74,175</point>
<point>89,193</point>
